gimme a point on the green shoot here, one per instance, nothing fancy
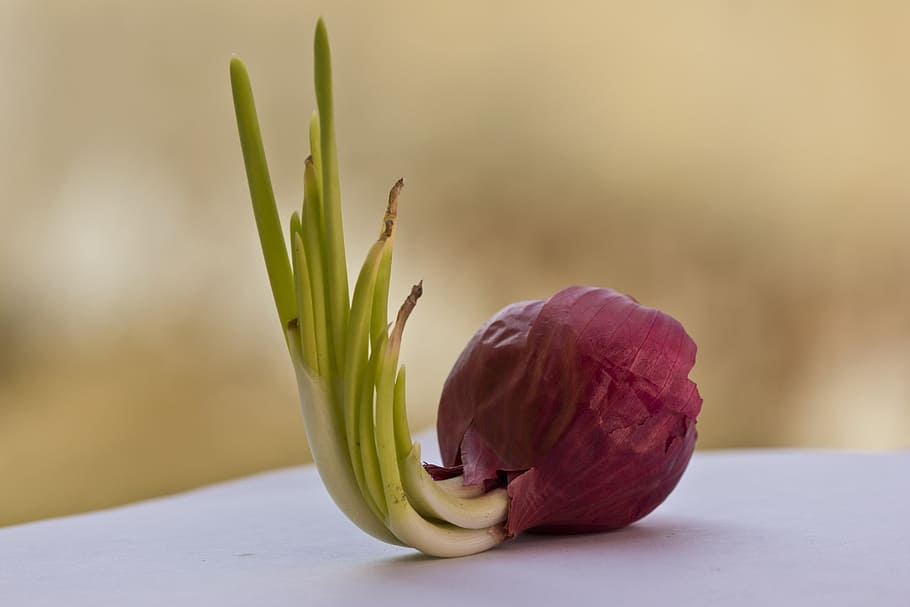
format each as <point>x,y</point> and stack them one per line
<point>351,390</point>
<point>264,208</point>
<point>331,193</point>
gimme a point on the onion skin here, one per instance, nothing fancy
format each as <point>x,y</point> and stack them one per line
<point>581,404</point>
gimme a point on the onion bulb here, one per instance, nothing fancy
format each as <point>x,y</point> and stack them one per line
<point>580,405</point>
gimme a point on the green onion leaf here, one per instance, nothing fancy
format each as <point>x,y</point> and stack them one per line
<point>265,210</point>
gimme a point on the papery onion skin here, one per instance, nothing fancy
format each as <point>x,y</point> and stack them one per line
<point>581,404</point>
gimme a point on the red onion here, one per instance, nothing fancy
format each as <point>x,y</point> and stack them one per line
<point>581,405</point>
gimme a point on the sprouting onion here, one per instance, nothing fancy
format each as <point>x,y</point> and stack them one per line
<point>567,415</point>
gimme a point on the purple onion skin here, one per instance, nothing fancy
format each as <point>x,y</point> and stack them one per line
<point>581,404</point>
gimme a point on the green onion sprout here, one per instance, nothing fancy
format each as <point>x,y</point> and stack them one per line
<point>345,352</point>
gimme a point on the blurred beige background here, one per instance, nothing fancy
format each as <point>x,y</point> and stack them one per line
<point>744,166</point>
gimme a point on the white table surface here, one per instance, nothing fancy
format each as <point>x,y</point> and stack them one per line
<point>743,528</point>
